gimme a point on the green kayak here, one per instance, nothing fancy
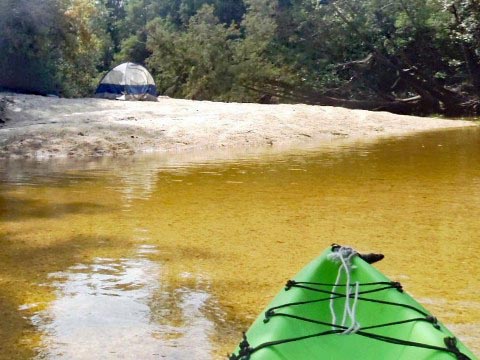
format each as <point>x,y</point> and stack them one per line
<point>341,307</point>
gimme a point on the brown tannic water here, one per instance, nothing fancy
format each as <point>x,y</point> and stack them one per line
<point>158,257</point>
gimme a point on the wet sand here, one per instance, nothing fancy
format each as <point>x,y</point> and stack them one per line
<point>46,127</point>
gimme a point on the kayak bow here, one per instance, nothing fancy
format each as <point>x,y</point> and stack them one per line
<point>341,307</point>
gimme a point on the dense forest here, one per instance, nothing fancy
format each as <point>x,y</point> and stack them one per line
<point>404,56</point>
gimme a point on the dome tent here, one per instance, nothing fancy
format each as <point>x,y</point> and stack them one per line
<point>127,81</point>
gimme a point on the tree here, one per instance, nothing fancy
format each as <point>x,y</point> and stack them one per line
<point>84,46</point>
<point>465,30</point>
<point>397,56</point>
<point>51,47</point>
<point>407,56</point>
<point>29,45</point>
<point>211,60</point>
<point>196,63</point>
<point>114,16</point>
<point>259,63</point>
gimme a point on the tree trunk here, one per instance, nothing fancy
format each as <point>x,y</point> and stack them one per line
<point>471,59</point>
<point>417,105</point>
<point>473,67</point>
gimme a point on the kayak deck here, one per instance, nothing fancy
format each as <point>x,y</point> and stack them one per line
<point>322,314</point>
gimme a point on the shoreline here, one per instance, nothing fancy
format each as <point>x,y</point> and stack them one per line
<point>46,127</point>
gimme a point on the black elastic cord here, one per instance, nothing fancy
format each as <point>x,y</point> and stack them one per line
<point>391,340</point>
<point>430,320</point>
<point>392,285</point>
<point>293,282</point>
<point>451,343</point>
<point>250,351</point>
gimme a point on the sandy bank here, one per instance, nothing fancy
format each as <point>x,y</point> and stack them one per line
<point>35,126</point>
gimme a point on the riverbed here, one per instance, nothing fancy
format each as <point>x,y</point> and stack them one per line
<point>173,255</point>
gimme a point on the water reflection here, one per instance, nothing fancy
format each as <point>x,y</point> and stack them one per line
<point>119,308</point>
<point>135,184</point>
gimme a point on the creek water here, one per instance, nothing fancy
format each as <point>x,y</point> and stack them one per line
<point>171,256</point>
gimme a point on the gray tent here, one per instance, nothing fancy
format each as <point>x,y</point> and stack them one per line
<point>127,81</point>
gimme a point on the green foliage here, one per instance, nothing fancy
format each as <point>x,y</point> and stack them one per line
<point>238,50</point>
<point>210,60</point>
<point>53,46</point>
<point>416,34</point>
<point>84,45</point>
<point>28,46</point>
<point>195,63</point>
<point>133,49</point>
<point>258,62</point>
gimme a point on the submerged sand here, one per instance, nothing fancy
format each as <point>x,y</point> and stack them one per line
<point>44,127</point>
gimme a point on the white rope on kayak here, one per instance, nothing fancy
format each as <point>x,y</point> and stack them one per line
<point>344,256</point>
